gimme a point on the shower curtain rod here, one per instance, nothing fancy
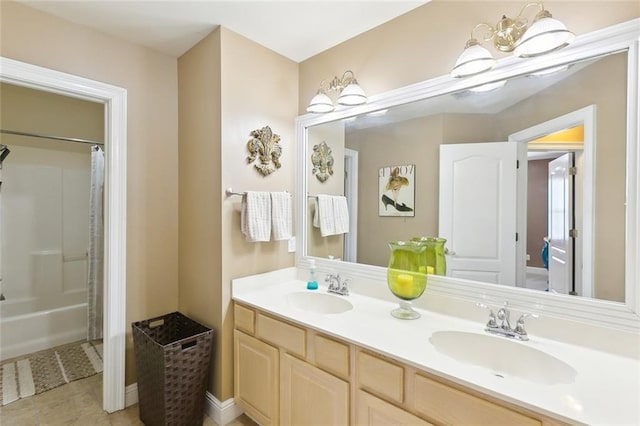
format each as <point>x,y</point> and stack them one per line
<point>58,138</point>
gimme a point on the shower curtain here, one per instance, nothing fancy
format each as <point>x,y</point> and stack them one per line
<point>96,246</point>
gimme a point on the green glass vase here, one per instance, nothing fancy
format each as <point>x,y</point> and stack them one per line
<point>406,275</point>
<point>434,254</point>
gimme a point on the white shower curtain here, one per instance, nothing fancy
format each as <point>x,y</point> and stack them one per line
<point>96,246</point>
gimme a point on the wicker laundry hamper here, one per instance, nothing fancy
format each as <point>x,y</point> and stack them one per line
<point>172,361</point>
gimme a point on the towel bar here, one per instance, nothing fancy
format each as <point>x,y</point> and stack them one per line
<point>230,192</point>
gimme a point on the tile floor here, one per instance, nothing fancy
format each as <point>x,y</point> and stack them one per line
<point>77,403</point>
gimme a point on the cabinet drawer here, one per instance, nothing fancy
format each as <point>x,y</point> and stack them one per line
<point>244,319</point>
<point>376,412</point>
<point>331,355</point>
<point>381,376</point>
<point>287,336</point>
<point>445,404</point>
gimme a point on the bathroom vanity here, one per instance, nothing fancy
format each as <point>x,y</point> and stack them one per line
<point>310,360</point>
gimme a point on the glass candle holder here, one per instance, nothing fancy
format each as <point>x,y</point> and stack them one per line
<point>407,275</point>
<point>434,253</point>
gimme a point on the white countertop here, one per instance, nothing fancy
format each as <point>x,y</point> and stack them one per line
<point>606,390</point>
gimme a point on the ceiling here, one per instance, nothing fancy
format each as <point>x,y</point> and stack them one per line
<point>295,29</point>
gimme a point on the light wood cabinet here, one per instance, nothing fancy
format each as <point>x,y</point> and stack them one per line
<point>381,377</point>
<point>286,374</point>
<point>286,336</point>
<point>310,396</point>
<point>372,411</point>
<point>256,374</point>
<point>331,355</point>
<point>454,407</point>
<point>244,319</point>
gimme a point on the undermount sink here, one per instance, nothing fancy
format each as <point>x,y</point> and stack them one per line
<point>503,357</point>
<point>320,303</point>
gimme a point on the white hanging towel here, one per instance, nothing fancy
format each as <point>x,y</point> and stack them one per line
<point>324,215</point>
<point>340,214</point>
<point>281,215</point>
<point>255,216</point>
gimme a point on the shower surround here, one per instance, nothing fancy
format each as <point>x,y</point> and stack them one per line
<point>45,237</point>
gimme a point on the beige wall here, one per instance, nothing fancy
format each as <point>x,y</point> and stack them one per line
<point>34,111</point>
<point>200,216</point>
<point>152,171</point>
<point>228,87</point>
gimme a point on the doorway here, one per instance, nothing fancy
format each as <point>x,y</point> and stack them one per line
<point>51,231</point>
<point>115,101</point>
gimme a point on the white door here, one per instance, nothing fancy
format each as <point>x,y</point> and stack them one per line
<point>560,224</point>
<point>477,215</point>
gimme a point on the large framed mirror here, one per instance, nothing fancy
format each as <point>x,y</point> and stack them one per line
<point>556,221</point>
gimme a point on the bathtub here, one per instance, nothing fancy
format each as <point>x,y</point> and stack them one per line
<point>27,333</point>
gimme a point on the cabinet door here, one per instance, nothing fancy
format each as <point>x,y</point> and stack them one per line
<point>256,378</point>
<point>372,411</point>
<point>310,396</point>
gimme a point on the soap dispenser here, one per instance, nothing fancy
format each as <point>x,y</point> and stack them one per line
<point>312,284</point>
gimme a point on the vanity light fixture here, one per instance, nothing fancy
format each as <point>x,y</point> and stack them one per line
<point>545,34</point>
<point>350,94</point>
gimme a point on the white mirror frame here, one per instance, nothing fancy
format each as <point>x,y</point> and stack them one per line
<point>115,278</point>
<point>625,316</point>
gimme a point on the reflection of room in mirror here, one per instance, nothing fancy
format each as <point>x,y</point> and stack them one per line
<point>412,134</point>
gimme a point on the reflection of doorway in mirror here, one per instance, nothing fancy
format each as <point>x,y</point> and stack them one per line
<point>350,241</point>
<point>570,133</point>
<point>561,214</point>
<point>396,190</point>
<point>551,217</point>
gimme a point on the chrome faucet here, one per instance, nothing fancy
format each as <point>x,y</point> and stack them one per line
<point>499,323</point>
<point>335,286</point>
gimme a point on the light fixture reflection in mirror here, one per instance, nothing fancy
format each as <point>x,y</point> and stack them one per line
<point>548,71</point>
<point>489,87</point>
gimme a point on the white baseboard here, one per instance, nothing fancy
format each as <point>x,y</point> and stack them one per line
<point>537,270</point>
<point>220,412</point>
<point>131,395</point>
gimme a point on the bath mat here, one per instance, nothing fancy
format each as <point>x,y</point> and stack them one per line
<point>41,371</point>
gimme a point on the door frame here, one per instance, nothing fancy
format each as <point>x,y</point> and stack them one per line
<point>587,117</point>
<point>351,181</point>
<point>115,108</point>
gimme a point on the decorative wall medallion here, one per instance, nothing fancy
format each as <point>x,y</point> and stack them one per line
<point>322,161</point>
<point>265,145</point>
